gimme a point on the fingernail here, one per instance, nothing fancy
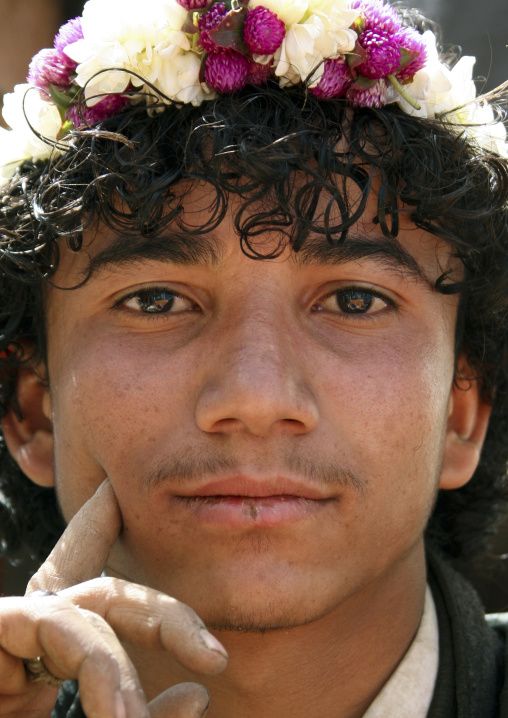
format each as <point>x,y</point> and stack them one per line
<point>212,643</point>
<point>120,711</point>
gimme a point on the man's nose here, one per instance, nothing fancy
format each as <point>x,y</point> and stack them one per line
<point>256,382</point>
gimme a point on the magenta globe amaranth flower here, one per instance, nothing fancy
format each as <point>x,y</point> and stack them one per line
<point>209,21</point>
<point>191,5</point>
<point>335,80</point>
<point>413,53</point>
<point>227,71</point>
<point>369,95</point>
<point>381,54</point>
<point>108,106</point>
<point>263,32</point>
<point>377,16</point>
<point>258,73</point>
<point>68,33</point>
<point>51,67</point>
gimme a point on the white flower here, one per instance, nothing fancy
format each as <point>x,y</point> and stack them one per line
<point>437,88</point>
<point>315,31</point>
<point>129,35</point>
<point>289,11</point>
<point>308,44</point>
<point>177,77</point>
<point>452,94</point>
<point>12,152</point>
<point>335,13</point>
<point>478,116</point>
<point>431,85</point>
<point>27,113</point>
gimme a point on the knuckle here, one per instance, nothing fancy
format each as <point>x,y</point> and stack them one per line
<point>180,611</point>
<point>96,622</point>
<point>35,583</point>
<point>46,578</point>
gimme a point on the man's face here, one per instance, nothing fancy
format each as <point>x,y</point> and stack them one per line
<point>273,430</point>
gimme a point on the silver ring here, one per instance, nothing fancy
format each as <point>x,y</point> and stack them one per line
<point>36,671</point>
<point>35,668</point>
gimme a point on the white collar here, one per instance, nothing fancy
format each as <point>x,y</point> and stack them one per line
<point>408,692</point>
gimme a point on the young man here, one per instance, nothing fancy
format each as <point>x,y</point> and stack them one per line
<point>254,328</point>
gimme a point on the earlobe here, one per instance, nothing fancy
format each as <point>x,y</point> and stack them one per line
<point>29,439</point>
<point>468,420</point>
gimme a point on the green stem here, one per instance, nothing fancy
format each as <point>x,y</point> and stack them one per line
<point>414,103</point>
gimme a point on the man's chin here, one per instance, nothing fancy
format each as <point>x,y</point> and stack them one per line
<point>258,621</point>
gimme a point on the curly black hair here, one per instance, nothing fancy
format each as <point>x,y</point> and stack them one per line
<point>131,171</point>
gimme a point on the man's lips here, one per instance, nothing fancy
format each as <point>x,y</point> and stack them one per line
<point>249,487</point>
<point>242,502</point>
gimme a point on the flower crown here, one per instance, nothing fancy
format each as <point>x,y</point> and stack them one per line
<point>123,52</point>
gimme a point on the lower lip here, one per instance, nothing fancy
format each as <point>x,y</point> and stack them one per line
<point>251,511</point>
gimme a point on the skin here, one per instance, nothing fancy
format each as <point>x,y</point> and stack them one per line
<point>257,371</point>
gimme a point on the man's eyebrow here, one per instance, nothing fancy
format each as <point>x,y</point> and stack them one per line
<point>206,250</point>
<point>385,252</point>
<point>125,251</point>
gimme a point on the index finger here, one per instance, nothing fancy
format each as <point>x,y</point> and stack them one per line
<point>83,550</point>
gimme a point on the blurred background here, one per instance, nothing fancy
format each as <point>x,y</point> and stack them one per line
<point>479,28</point>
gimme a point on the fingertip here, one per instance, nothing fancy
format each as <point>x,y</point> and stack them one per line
<point>105,492</point>
<point>104,510</point>
<point>216,651</point>
<point>191,700</point>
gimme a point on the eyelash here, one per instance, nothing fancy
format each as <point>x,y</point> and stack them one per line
<point>145,292</point>
<point>338,293</point>
<point>391,305</point>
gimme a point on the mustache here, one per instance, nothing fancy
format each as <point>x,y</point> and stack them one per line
<point>182,470</point>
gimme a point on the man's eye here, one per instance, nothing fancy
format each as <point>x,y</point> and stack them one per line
<point>157,301</point>
<point>353,301</point>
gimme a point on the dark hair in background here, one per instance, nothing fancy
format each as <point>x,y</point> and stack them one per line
<point>72,8</point>
<point>128,174</point>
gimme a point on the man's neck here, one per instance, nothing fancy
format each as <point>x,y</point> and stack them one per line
<point>334,666</point>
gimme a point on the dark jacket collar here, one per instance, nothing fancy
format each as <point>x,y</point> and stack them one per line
<point>471,653</point>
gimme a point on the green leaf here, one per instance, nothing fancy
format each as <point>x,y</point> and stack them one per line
<point>188,26</point>
<point>60,98</point>
<point>65,129</point>
<point>228,33</point>
<point>356,57</point>
<point>363,83</point>
<point>359,25</point>
<point>407,56</point>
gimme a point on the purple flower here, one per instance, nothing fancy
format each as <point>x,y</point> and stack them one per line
<point>372,95</point>
<point>335,79</point>
<point>414,53</point>
<point>381,54</point>
<point>108,106</point>
<point>209,21</point>
<point>263,31</point>
<point>68,33</point>
<point>227,71</point>
<point>258,73</point>
<point>51,67</point>
<point>191,5</point>
<point>377,16</point>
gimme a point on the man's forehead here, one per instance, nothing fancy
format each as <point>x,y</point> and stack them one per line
<point>109,252</point>
<point>194,238</point>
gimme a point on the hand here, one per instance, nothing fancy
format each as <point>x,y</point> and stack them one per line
<point>78,631</point>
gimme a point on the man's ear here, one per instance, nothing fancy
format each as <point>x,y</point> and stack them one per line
<point>27,429</point>
<point>468,420</point>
